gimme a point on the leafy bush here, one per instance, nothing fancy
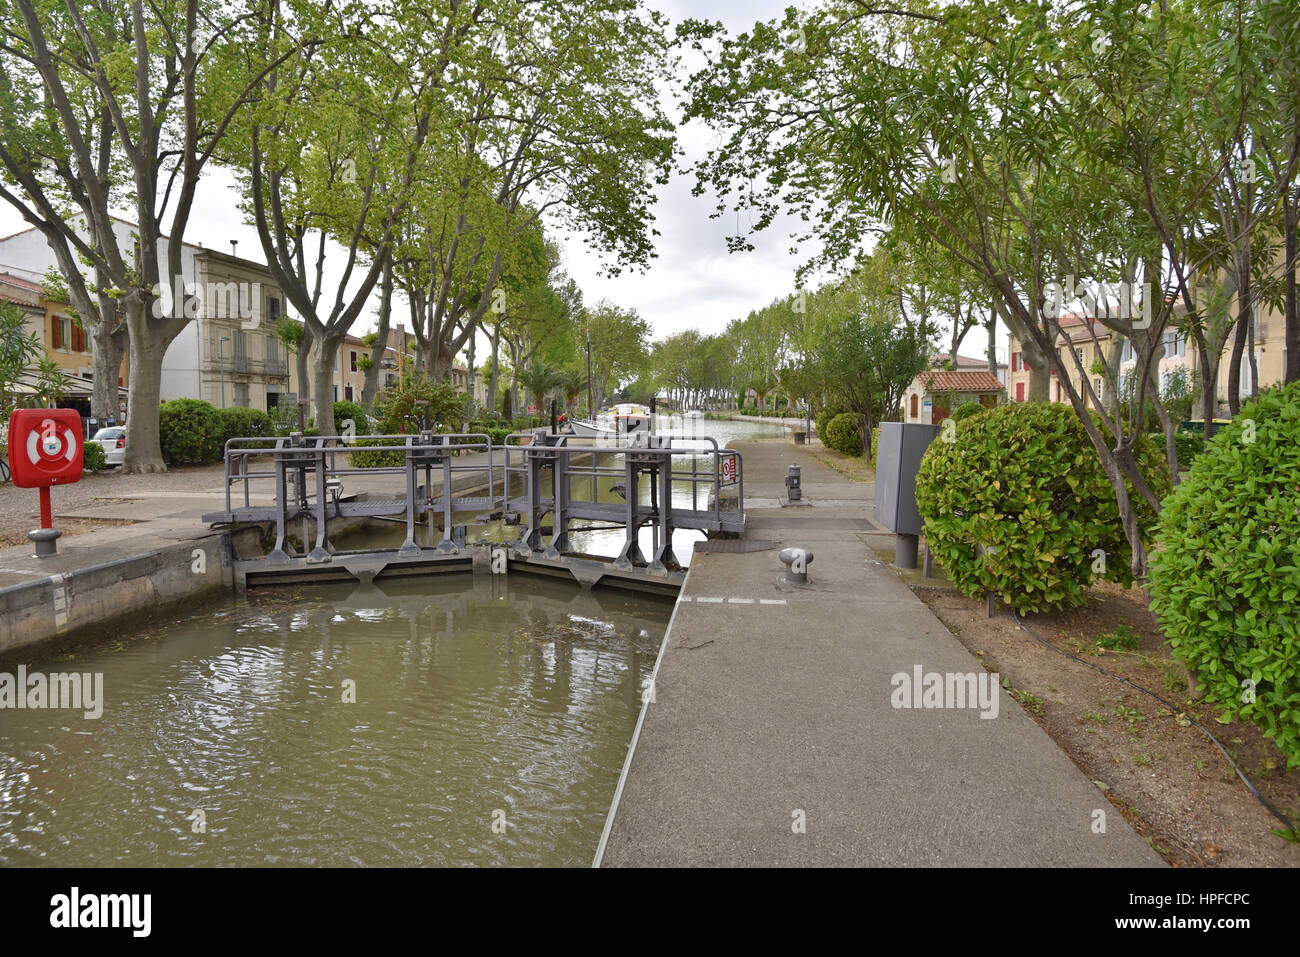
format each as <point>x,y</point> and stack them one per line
<point>401,409</point>
<point>345,410</point>
<point>1188,444</point>
<point>823,420</point>
<point>93,457</point>
<point>1226,581</point>
<point>844,435</point>
<point>239,422</point>
<point>190,432</point>
<point>875,444</point>
<point>1018,503</point>
<point>966,410</point>
<point>376,459</point>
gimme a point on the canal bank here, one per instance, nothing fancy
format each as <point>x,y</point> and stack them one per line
<point>779,732</point>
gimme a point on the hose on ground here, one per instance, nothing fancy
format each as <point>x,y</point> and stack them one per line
<point>1176,710</point>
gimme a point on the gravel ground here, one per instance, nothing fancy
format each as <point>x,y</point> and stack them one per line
<point>20,507</point>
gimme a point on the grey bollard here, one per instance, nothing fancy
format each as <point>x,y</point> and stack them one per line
<point>793,484</point>
<point>796,561</point>
<point>46,541</point>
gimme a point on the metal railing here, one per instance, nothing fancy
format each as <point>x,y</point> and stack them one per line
<point>627,458</point>
<point>308,483</point>
<point>532,476</point>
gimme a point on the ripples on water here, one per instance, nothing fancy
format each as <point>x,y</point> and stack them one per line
<point>474,695</point>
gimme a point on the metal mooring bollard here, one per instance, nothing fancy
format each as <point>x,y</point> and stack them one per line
<point>792,484</point>
<point>796,561</point>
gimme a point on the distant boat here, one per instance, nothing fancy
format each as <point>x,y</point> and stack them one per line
<point>693,414</point>
<point>590,429</point>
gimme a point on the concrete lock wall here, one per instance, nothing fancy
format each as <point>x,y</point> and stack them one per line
<point>63,603</point>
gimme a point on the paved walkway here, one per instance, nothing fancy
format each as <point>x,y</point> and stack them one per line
<point>772,739</point>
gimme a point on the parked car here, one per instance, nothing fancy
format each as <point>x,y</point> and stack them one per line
<point>113,441</point>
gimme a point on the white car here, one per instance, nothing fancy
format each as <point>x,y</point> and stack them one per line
<point>113,441</point>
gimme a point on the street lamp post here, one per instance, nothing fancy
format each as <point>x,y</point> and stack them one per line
<point>221,363</point>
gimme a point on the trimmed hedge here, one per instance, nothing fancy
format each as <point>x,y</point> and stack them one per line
<point>93,457</point>
<point>843,434</point>
<point>823,420</point>
<point>239,422</point>
<point>344,410</point>
<point>1226,581</point>
<point>1018,503</point>
<point>190,432</point>
<point>966,410</point>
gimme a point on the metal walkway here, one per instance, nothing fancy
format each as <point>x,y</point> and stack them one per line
<point>547,486</point>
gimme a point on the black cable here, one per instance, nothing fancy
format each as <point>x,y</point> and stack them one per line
<point>1173,707</point>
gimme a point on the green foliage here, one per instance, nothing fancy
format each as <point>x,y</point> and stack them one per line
<point>404,407</point>
<point>823,420</point>
<point>1226,583</point>
<point>239,422</point>
<point>344,410</point>
<point>1188,444</point>
<point>1018,503</point>
<point>190,432</point>
<point>376,459</point>
<point>875,444</point>
<point>1122,638</point>
<point>966,410</point>
<point>844,433</point>
<point>94,458</point>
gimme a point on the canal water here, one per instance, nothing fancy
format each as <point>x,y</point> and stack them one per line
<point>490,723</point>
<point>452,720</point>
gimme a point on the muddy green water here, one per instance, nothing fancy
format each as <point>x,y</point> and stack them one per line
<point>490,723</point>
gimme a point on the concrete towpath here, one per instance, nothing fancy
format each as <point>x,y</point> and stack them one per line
<point>772,738</point>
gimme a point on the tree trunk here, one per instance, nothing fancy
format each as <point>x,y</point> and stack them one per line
<point>370,388</point>
<point>322,376</point>
<point>108,349</point>
<point>143,447</point>
<point>992,354</point>
<point>1244,321</point>
<point>1291,223</point>
<point>494,378</point>
<point>302,359</point>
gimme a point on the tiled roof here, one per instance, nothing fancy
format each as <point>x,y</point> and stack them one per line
<point>13,289</point>
<point>960,381</point>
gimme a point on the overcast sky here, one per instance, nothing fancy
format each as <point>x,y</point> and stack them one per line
<point>694,283</point>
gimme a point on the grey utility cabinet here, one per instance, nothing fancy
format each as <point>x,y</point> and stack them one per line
<point>898,458</point>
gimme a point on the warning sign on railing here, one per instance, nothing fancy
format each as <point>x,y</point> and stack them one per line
<point>728,468</point>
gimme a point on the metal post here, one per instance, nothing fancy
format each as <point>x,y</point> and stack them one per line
<point>320,553</point>
<point>447,545</point>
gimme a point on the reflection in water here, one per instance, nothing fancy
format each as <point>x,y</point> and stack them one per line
<point>474,695</point>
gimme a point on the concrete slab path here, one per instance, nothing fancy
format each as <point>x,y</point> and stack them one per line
<point>773,739</point>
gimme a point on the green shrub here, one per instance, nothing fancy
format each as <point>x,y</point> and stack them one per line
<point>966,410</point>
<point>93,457</point>
<point>1023,484</point>
<point>1189,446</point>
<point>844,435</point>
<point>875,444</point>
<point>1226,580</point>
<point>190,432</point>
<point>344,410</point>
<point>824,419</point>
<point>239,422</point>
<point>376,459</point>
